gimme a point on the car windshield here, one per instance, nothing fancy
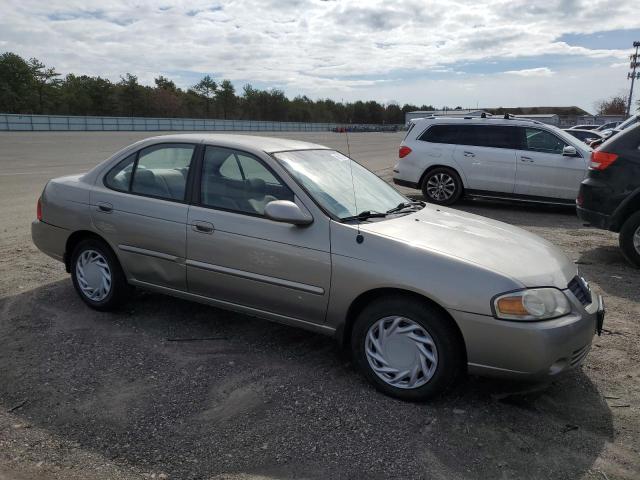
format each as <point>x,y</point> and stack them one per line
<point>326,175</point>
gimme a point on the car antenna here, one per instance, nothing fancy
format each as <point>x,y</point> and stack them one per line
<point>359,237</point>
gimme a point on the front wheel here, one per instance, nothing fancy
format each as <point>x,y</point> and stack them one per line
<point>442,186</point>
<point>97,275</point>
<point>630,239</point>
<point>406,348</point>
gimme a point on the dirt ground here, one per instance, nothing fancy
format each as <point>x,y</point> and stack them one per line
<point>171,389</point>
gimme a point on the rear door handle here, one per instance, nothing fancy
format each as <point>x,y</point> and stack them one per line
<point>526,159</point>
<point>202,227</point>
<point>105,207</point>
<point>469,154</point>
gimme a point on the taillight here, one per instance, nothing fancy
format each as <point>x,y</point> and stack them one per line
<point>39,210</point>
<point>601,160</point>
<point>404,151</point>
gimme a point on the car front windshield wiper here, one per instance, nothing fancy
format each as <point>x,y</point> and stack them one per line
<point>367,214</point>
<point>405,205</point>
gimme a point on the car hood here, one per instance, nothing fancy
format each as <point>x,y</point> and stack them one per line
<point>496,246</point>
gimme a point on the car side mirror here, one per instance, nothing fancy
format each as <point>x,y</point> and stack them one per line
<point>569,151</point>
<point>287,212</point>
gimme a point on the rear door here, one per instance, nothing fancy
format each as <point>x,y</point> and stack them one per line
<point>486,154</point>
<point>542,169</point>
<point>238,256</point>
<point>140,208</point>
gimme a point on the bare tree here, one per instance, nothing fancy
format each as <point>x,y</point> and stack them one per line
<point>616,105</point>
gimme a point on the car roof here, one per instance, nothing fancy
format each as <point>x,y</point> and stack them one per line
<point>252,142</point>
<point>582,130</point>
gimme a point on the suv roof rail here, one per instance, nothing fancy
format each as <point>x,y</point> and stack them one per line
<point>481,117</point>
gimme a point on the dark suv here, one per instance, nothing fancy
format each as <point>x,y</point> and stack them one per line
<point>609,197</point>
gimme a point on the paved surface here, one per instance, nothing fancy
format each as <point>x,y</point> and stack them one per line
<point>170,389</point>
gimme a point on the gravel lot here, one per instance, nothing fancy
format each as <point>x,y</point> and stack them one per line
<point>171,389</point>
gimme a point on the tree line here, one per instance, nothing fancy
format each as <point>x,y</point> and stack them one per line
<point>31,87</point>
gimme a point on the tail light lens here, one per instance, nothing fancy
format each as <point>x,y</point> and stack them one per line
<point>39,210</point>
<point>404,151</point>
<point>601,160</point>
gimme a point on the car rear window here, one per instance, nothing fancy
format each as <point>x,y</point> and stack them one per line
<point>441,134</point>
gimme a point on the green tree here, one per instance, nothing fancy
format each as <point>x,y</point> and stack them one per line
<point>131,95</point>
<point>206,89</point>
<point>17,84</point>
<point>226,99</point>
<point>45,80</point>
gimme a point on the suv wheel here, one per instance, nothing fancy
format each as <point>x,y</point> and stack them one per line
<point>630,239</point>
<point>442,186</point>
<point>406,348</point>
<point>97,275</point>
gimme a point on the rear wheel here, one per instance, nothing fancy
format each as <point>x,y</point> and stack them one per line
<point>407,348</point>
<point>630,239</point>
<point>97,275</point>
<point>442,186</point>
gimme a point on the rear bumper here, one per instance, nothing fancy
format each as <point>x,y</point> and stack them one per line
<point>49,239</point>
<point>595,219</point>
<point>529,350</point>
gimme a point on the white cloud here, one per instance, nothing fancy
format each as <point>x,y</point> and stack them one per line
<point>312,47</point>
<point>531,72</point>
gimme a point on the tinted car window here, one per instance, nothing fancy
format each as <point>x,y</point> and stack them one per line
<point>236,181</point>
<point>441,134</point>
<point>542,141</point>
<point>161,171</point>
<point>119,177</point>
<point>494,136</point>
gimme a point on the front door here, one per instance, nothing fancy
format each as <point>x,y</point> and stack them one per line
<point>140,208</point>
<point>542,170</point>
<point>238,256</point>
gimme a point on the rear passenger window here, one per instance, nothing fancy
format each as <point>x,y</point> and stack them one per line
<point>493,136</point>
<point>158,171</point>
<point>161,171</point>
<point>441,134</point>
<point>236,181</point>
<point>119,177</point>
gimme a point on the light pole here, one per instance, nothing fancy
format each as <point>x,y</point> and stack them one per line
<point>632,74</point>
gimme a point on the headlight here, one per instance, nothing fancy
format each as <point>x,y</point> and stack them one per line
<point>531,304</point>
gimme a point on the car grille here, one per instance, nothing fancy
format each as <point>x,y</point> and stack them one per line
<point>579,355</point>
<point>581,290</point>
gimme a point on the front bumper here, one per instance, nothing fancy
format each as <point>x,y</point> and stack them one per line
<point>530,350</point>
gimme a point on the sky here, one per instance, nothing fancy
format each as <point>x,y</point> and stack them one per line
<point>486,53</point>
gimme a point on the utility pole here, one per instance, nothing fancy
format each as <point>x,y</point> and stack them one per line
<point>635,63</point>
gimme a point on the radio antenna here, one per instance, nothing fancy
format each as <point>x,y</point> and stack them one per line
<point>359,237</point>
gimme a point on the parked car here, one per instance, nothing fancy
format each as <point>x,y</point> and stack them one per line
<point>587,126</point>
<point>511,158</point>
<point>629,122</point>
<point>608,126</point>
<point>609,197</point>
<point>300,234</point>
<point>587,136</point>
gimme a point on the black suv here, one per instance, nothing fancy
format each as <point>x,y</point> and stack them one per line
<point>609,197</point>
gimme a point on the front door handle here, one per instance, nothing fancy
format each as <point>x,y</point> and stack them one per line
<point>105,207</point>
<point>202,227</point>
<point>469,154</point>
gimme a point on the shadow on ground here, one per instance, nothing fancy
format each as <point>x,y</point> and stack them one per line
<point>193,391</point>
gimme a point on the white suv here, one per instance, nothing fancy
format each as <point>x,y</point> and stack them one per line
<point>510,158</point>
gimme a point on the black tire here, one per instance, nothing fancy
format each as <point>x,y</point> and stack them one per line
<point>629,229</point>
<point>445,335</point>
<point>442,196</point>
<point>119,291</point>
